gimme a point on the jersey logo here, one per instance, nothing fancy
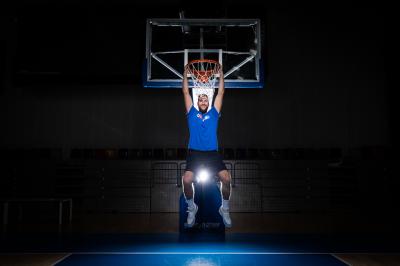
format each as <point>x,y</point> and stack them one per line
<point>201,117</point>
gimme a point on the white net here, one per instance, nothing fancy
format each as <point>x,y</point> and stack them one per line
<point>204,73</point>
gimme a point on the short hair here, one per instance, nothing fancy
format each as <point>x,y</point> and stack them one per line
<point>202,95</point>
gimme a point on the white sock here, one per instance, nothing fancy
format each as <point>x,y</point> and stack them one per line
<point>225,204</point>
<point>190,203</point>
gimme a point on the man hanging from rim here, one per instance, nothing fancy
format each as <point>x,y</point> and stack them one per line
<point>203,148</point>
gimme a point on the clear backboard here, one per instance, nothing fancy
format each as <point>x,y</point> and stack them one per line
<point>172,43</point>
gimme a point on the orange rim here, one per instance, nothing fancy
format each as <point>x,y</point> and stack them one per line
<point>203,75</point>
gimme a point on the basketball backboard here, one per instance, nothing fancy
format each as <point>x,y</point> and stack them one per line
<point>172,43</point>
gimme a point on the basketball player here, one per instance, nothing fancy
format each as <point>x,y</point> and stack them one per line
<point>203,148</point>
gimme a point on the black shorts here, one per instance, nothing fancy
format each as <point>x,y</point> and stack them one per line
<point>210,160</point>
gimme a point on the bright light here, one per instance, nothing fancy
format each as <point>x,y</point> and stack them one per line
<point>200,261</point>
<point>203,176</point>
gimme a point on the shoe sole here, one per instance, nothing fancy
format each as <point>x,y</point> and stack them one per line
<point>226,225</point>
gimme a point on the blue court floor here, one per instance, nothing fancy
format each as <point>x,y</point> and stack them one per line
<point>210,250</point>
<point>201,259</point>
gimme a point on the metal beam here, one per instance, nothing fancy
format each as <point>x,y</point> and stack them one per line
<point>167,65</point>
<point>203,22</point>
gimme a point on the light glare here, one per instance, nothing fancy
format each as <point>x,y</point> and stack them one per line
<point>203,176</point>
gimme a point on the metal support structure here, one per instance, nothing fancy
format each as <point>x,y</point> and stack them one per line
<point>201,44</point>
<point>61,201</point>
<point>179,22</point>
<point>256,80</point>
<point>167,65</point>
<point>238,66</point>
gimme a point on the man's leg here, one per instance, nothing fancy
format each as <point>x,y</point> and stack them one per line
<point>188,192</point>
<point>187,183</point>
<point>225,179</point>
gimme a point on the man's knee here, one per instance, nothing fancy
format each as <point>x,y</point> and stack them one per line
<point>187,177</point>
<point>224,177</point>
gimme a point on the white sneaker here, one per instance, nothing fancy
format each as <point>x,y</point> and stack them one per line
<point>191,217</point>
<point>225,217</point>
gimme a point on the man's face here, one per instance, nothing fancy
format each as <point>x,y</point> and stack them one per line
<point>203,103</point>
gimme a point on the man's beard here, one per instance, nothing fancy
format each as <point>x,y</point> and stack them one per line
<point>203,111</point>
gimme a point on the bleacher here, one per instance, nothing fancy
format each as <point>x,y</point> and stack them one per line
<point>148,180</point>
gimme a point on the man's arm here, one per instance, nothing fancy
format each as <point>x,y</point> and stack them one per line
<point>186,94</point>
<point>221,91</point>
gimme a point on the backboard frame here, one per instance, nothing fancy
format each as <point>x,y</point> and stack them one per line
<point>253,55</point>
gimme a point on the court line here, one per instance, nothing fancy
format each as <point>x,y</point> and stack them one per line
<point>342,260</point>
<point>61,259</point>
<point>200,253</point>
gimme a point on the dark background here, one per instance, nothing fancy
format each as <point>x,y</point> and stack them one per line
<point>72,78</point>
<point>71,86</point>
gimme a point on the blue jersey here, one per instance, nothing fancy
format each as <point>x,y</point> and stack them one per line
<point>203,129</point>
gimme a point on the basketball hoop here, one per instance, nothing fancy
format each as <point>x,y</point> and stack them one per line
<point>204,72</point>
